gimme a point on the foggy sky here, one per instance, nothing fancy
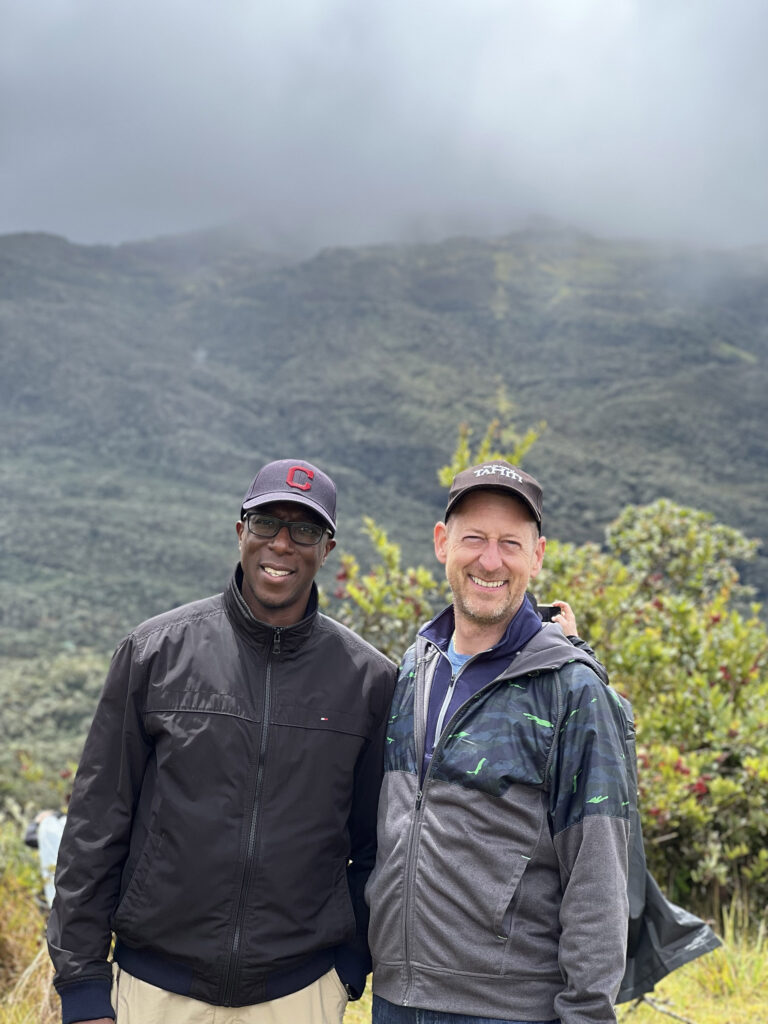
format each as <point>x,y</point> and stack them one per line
<point>353,121</point>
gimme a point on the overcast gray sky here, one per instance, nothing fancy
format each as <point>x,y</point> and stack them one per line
<point>351,121</point>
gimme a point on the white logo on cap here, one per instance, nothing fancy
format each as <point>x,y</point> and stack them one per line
<point>496,470</point>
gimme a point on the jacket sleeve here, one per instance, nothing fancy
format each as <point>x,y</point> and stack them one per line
<point>94,846</point>
<point>589,817</point>
<point>353,960</point>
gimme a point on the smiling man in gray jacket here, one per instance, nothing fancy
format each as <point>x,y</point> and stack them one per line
<point>500,887</point>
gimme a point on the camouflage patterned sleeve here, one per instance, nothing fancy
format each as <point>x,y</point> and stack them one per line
<point>400,742</point>
<point>589,813</point>
<point>588,774</point>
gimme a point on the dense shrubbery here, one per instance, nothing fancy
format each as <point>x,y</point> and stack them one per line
<point>388,603</point>
<point>661,607</point>
<point>26,996</point>
<point>48,703</point>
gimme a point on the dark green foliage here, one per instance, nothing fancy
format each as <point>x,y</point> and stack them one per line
<point>141,386</point>
<point>658,607</point>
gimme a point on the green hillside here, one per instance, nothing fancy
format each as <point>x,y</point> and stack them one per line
<point>142,385</point>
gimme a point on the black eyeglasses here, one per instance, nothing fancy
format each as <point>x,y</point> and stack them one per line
<point>306,534</point>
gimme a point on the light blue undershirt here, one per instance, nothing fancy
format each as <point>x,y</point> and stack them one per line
<point>456,659</point>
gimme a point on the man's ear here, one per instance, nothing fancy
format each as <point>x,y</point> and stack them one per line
<point>441,542</point>
<point>330,544</point>
<point>538,556</point>
<point>239,526</point>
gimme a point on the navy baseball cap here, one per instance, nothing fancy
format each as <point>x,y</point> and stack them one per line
<point>296,481</point>
<point>497,476</point>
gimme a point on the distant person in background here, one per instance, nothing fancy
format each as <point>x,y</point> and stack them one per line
<point>222,822</point>
<point>499,894</point>
<point>44,835</point>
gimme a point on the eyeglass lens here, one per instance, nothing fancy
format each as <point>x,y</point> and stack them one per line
<point>269,526</point>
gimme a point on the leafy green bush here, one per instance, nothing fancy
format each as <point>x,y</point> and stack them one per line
<point>660,606</point>
<point>388,604</point>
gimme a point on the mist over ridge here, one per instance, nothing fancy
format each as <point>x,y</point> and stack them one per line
<point>320,123</point>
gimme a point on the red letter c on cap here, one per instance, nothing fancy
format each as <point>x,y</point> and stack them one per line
<point>299,469</point>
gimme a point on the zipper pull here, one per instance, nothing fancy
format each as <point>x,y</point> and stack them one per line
<point>276,639</point>
<point>418,799</point>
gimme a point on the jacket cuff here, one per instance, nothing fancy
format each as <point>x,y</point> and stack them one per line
<point>352,967</point>
<point>86,1000</point>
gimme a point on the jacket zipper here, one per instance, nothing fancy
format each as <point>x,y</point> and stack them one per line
<point>413,838</point>
<point>410,876</point>
<point>448,696</point>
<point>234,955</point>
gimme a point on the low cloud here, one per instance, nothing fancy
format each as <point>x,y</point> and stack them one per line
<point>332,121</point>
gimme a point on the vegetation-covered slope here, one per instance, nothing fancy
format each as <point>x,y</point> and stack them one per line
<point>142,385</point>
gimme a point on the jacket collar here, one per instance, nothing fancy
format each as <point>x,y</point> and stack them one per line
<point>523,626</point>
<point>546,650</point>
<point>282,639</point>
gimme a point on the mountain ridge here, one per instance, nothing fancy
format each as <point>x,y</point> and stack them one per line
<point>141,385</point>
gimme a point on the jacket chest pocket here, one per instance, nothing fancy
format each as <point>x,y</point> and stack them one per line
<point>334,721</point>
<point>333,738</point>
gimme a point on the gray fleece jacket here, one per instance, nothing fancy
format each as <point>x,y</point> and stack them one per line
<point>500,885</point>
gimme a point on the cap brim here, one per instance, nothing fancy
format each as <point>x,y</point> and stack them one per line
<point>283,498</point>
<point>502,489</point>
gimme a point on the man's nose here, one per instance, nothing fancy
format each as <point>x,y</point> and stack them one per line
<point>490,559</point>
<point>282,540</point>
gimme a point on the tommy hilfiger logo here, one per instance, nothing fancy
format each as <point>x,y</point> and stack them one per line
<point>496,470</point>
<point>291,478</point>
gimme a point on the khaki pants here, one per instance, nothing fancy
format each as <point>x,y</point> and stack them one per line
<point>136,1002</point>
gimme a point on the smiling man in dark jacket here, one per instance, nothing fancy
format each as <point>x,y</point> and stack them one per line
<point>222,823</point>
<point>500,888</point>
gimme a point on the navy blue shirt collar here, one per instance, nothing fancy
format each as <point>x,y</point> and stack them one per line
<point>523,625</point>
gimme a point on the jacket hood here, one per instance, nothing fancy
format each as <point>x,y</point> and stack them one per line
<point>548,651</point>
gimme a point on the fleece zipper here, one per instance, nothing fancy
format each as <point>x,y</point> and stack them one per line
<point>419,723</point>
<point>449,696</point>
